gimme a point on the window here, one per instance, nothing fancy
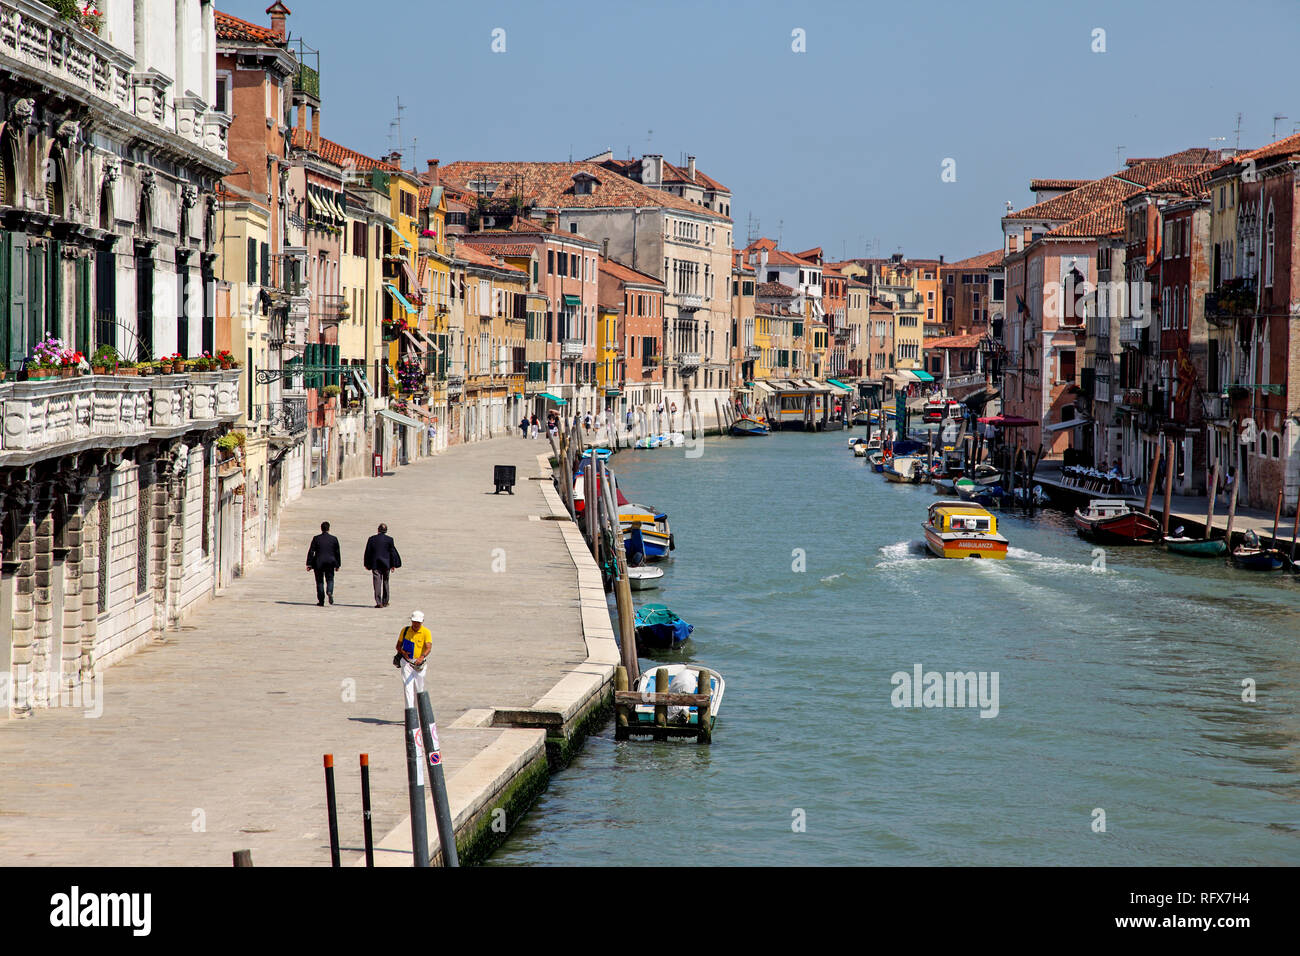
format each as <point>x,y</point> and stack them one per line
<point>1268,248</point>
<point>105,510</point>
<point>141,533</point>
<point>222,104</point>
<point>550,262</point>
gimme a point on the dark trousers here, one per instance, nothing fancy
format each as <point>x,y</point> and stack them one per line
<point>380,577</point>
<point>324,584</point>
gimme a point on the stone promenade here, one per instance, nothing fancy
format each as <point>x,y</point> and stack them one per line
<point>213,740</point>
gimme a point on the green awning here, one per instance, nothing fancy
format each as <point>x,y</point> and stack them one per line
<point>839,384</point>
<point>921,375</point>
<point>395,231</point>
<point>573,300</point>
<point>399,418</point>
<point>554,398</point>
<point>612,391</point>
<point>392,290</point>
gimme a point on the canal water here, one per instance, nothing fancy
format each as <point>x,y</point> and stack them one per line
<point>1120,684</point>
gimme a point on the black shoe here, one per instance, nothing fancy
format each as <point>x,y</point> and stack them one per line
<point>320,603</point>
<point>331,599</point>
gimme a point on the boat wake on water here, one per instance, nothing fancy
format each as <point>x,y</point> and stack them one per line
<point>903,553</point>
<point>1051,563</point>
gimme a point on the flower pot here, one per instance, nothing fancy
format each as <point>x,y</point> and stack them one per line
<point>226,364</point>
<point>127,371</point>
<point>102,370</point>
<point>67,372</point>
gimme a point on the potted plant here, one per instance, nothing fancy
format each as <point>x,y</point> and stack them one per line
<point>331,392</point>
<point>105,360</point>
<point>125,367</point>
<point>229,444</point>
<point>70,364</point>
<point>144,368</point>
<point>225,359</point>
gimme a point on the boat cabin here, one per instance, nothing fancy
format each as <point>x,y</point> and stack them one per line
<point>949,516</point>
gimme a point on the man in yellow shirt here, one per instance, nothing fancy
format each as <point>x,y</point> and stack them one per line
<point>413,646</point>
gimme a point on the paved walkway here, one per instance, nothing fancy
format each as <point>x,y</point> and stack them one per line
<point>212,742</point>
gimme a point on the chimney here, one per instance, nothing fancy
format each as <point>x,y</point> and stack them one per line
<point>762,264</point>
<point>690,167</point>
<point>279,13</point>
<point>604,247</point>
<point>432,176</point>
<point>315,128</point>
<point>1028,235</point>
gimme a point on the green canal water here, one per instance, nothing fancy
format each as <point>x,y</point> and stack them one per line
<point>1119,689</point>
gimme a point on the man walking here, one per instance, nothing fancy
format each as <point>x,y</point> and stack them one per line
<point>413,646</point>
<point>381,558</point>
<point>324,558</point>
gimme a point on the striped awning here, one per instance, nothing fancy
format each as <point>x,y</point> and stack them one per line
<point>395,231</point>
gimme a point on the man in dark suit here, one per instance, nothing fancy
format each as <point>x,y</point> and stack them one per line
<point>381,558</point>
<point>324,558</point>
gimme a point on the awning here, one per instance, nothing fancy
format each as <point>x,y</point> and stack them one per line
<point>316,203</point>
<point>839,384</point>
<point>392,290</point>
<point>612,392</point>
<point>361,384</point>
<point>428,341</point>
<point>901,377</point>
<point>554,398</point>
<point>411,279</point>
<point>413,340</point>
<point>395,231</point>
<point>922,375</point>
<point>764,387</point>
<point>400,419</point>
<point>1062,426</point>
<point>573,300</point>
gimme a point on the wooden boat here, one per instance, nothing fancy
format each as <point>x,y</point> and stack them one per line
<point>862,418</point>
<point>876,459</point>
<point>971,491</point>
<point>580,493</point>
<point>1197,547</point>
<point>646,535</point>
<point>1249,556</point>
<point>904,470</point>
<point>682,679</point>
<point>749,425</point>
<point>644,578</point>
<point>667,440</point>
<point>602,454</point>
<point>959,529</point>
<point>1111,521</point>
<point>657,626</point>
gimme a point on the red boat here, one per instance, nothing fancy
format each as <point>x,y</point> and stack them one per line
<point>1115,522</point>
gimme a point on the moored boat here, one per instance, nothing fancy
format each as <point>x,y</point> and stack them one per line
<point>580,493</point>
<point>646,535</point>
<point>749,425</point>
<point>1112,521</point>
<point>657,626</point>
<point>644,578</point>
<point>1196,547</point>
<point>682,679</point>
<point>1250,556</point>
<point>960,529</point>
<point>903,470</point>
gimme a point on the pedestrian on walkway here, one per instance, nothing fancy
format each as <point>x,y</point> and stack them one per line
<point>534,428</point>
<point>380,559</point>
<point>324,558</point>
<point>523,427</point>
<point>413,646</point>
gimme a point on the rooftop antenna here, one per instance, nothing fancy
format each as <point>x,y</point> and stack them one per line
<point>1218,142</point>
<point>395,132</point>
<point>1119,156</point>
<point>1238,131</point>
<point>649,134</point>
<point>780,231</point>
<point>1276,117</point>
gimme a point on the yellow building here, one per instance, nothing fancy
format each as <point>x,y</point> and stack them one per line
<point>609,378</point>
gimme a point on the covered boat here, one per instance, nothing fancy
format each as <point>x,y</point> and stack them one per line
<point>580,493</point>
<point>656,626</point>
<point>682,679</point>
<point>749,425</point>
<point>1111,521</point>
<point>904,469</point>
<point>959,529</point>
<point>669,439</point>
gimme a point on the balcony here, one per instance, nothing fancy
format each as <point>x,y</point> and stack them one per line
<point>288,417</point>
<point>571,349</point>
<point>35,36</point>
<point>753,352</point>
<point>66,415</point>
<point>307,81</point>
<point>688,361</point>
<point>689,303</point>
<point>1234,299</point>
<point>332,309</point>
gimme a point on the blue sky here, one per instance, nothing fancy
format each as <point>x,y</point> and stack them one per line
<point>839,146</point>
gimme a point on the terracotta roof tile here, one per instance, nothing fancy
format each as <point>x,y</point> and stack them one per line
<point>1036,184</point>
<point>467,253</point>
<point>775,290</point>
<point>968,341</point>
<point>552,186</point>
<point>982,261</point>
<point>1283,147</point>
<point>233,28</point>
<point>337,154</point>
<point>624,274</point>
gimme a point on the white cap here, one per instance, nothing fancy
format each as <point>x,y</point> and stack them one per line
<point>417,617</point>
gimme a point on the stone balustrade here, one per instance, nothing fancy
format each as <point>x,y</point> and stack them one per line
<point>106,411</point>
<point>32,33</point>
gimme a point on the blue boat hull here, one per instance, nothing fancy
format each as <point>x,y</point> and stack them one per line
<point>664,635</point>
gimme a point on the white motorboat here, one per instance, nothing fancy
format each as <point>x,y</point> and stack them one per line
<point>682,679</point>
<point>644,578</point>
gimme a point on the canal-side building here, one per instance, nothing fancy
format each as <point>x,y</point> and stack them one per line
<point>111,152</point>
<point>637,300</point>
<point>684,244</point>
<point>745,349</point>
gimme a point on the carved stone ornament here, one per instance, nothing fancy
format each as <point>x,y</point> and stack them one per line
<point>112,170</point>
<point>68,132</point>
<point>148,182</point>
<point>189,196</point>
<point>22,113</point>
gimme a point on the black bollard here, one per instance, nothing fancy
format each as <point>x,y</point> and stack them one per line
<point>365,809</point>
<point>441,807</point>
<point>332,809</point>
<point>419,827</point>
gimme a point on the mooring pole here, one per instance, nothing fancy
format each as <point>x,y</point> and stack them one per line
<point>415,789</point>
<point>437,781</point>
<point>332,810</point>
<point>365,809</point>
